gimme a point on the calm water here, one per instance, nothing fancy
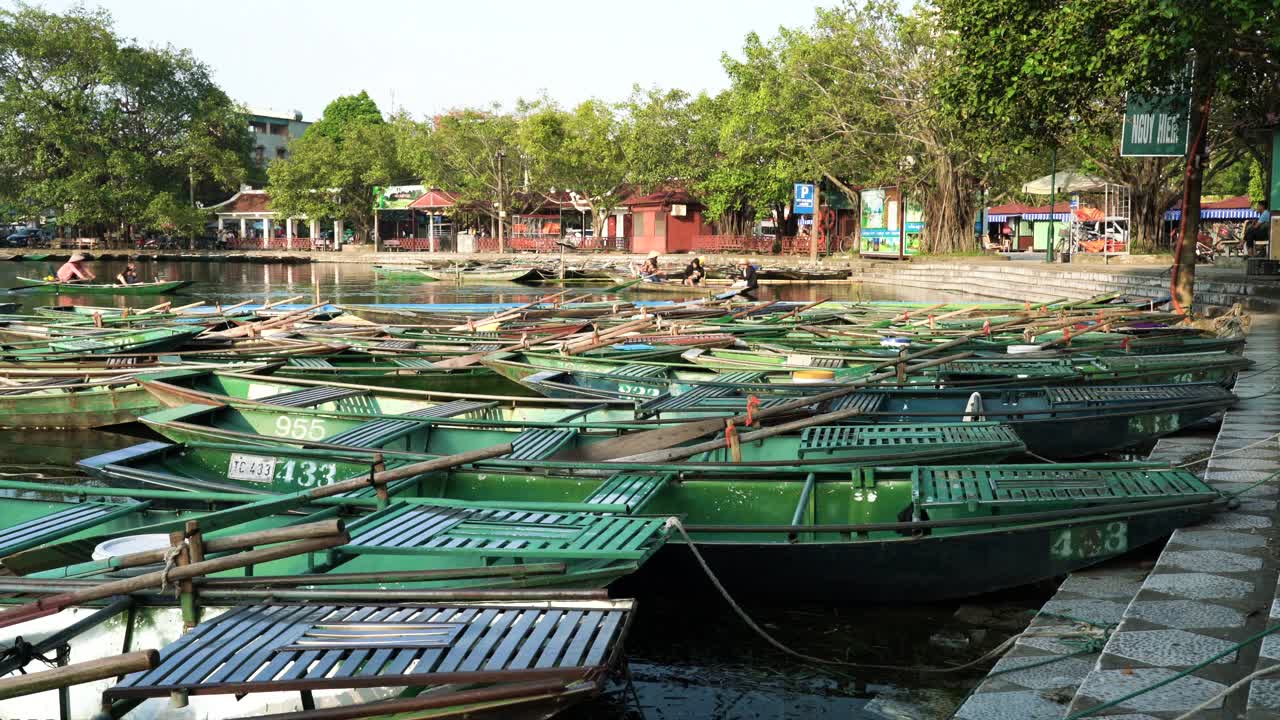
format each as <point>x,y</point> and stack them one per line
<point>689,656</point>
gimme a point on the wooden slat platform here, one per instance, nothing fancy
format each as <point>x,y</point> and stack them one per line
<point>631,490</point>
<point>275,647</point>
<point>419,528</point>
<point>62,523</point>
<point>995,486</point>
<point>833,438</point>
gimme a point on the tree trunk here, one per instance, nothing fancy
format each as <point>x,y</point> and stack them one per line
<point>1184,272</point>
<point>948,210</point>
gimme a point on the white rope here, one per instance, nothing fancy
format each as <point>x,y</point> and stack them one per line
<point>1229,452</point>
<point>674,523</point>
<point>1230,689</point>
<point>170,559</point>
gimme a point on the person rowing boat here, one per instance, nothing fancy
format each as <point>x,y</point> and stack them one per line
<point>74,271</point>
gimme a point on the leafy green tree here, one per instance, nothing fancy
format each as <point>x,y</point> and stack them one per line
<point>345,112</point>
<point>333,168</point>
<point>578,151</point>
<point>1030,85</point>
<point>98,127</point>
<point>1257,182</point>
<point>873,73</point>
<point>473,153</point>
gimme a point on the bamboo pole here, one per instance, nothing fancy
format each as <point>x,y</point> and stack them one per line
<point>286,301</point>
<point>55,603</point>
<point>679,453</point>
<point>100,669</point>
<point>665,437</point>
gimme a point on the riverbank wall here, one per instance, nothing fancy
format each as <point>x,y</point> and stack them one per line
<point>996,277</point>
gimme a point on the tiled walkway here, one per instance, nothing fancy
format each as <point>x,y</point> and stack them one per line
<point>1213,586</point>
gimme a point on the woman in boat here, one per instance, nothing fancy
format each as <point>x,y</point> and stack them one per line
<point>695,271</point>
<point>649,269</point>
<point>74,271</point>
<point>128,276</point>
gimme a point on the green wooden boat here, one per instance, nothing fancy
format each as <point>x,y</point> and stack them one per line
<point>73,402</point>
<point>159,287</point>
<point>409,373</point>
<point>404,272</point>
<point>556,443</point>
<point>1054,422</point>
<point>175,388</point>
<point>1220,367</point>
<point>482,275</point>
<point>874,534</point>
<point>141,340</point>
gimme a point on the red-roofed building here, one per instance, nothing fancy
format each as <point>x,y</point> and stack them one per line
<point>666,220</point>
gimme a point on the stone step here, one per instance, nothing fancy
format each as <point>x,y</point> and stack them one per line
<point>1101,595</point>
<point>1214,584</point>
<point>1019,281</point>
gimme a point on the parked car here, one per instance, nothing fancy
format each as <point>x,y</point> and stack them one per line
<point>25,237</point>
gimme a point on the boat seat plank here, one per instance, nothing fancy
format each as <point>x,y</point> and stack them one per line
<point>418,528</point>
<point>632,490</point>
<point>866,401</point>
<point>374,433</point>
<point>993,486</point>
<point>413,363</point>
<point>394,345</point>
<point>453,408</point>
<point>317,363</point>
<point>639,371</point>
<point>740,377</point>
<point>539,444</point>
<point>60,524</point>
<point>308,397</point>
<point>1132,393</point>
<point>834,438</point>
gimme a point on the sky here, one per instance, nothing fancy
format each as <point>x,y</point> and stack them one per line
<point>429,56</point>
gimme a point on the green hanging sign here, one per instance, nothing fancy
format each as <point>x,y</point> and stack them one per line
<point>1156,125</point>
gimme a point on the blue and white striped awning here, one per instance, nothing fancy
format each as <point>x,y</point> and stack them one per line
<point>1064,216</point>
<point>1000,218</point>
<point>1216,214</point>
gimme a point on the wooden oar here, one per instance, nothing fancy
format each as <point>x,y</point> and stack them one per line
<point>662,438</point>
<point>463,361</point>
<point>285,301</point>
<point>684,451</point>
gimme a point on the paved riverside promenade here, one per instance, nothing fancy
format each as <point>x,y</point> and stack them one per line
<point>1214,585</point>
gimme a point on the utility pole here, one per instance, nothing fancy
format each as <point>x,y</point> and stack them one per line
<point>502,210</point>
<point>817,220</point>
<point>191,195</point>
<point>1053,201</point>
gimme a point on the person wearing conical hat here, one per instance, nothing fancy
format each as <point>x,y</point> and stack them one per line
<point>73,270</point>
<point>649,269</point>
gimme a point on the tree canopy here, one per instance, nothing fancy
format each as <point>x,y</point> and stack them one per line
<point>332,170</point>
<point>104,132</point>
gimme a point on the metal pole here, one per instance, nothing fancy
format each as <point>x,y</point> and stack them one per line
<point>501,206</point>
<point>817,221</point>
<point>1053,200</point>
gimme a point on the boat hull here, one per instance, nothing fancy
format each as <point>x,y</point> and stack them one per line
<point>917,570</point>
<point>76,409</point>
<point>157,288</point>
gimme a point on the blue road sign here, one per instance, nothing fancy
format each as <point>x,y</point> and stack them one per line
<point>803,202</point>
